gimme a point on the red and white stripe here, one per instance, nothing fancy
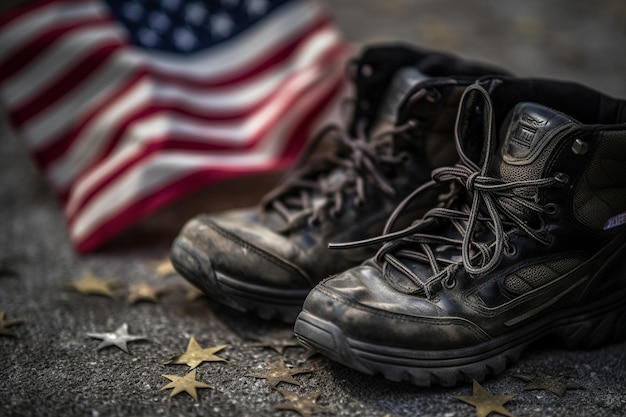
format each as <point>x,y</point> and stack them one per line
<point>120,131</point>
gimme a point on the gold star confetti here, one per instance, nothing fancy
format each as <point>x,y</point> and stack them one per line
<point>164,268</point>
<point>187,383</point>
<point>4,324</point>
<point>279,345</point>
<point>89,284</point>
<point>557,384</point>
<point>144,292</point>
<point>486,402</point>
<point>196,354</point>
<point>119,338</point>
<point>278,372</point>
<point>305,405</point>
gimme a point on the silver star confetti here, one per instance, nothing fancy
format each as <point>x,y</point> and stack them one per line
<point>119,338</point>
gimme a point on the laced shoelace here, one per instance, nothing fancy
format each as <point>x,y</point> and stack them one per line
<point>361,160</point>
<point>477,204</point>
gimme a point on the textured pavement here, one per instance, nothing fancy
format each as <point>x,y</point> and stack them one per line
<point>52,368</point>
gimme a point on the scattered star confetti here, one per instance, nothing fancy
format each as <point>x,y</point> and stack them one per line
<point>557,384</point>
<point>305,405</point>
<point>187,383</point>
<point>118,338</point>
<point>144,292</point>
<point>279,345</point>
<point>196,354</point>
<point>4,324</point>
<point>89,284</point>
<point>486,402</point>
<point>164,268</point>
<point>278,372</point>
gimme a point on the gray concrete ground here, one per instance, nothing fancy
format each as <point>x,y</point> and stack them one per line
<point>52,368</point>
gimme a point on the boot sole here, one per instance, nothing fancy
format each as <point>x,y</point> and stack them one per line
<point>268,303</point>
<point>582,327</point>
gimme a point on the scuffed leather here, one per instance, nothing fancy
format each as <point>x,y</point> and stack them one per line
<point>366,307</point>
<point>369,310</point>
<point>241,244</point>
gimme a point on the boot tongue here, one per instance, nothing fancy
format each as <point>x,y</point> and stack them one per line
<point>528,137</point>
<point>528,129</point>
<point>402,82</point>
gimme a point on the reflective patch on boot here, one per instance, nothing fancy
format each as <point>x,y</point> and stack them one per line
<point>615,221</point>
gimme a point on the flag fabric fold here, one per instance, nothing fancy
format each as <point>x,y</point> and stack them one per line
<point>128,105</point>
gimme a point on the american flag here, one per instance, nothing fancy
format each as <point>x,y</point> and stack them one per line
<point>129,105</point>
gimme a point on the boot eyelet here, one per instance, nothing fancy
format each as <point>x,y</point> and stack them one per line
<point>562,178</point>
<point>367,71</point>
<point>335,214</point>
<point>405,158</point>
<point>449,282</point>
<point>510,250</point>
<point>433,96</point>
<point>580,147</point>
<point>551,209</point>
<point>313,222</point>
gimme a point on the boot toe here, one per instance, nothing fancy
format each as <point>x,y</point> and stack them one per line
<point>238,262</point>
<point>365,308</point>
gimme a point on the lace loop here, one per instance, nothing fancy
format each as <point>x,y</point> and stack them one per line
<point>315,183</point>
<point>475,218</point>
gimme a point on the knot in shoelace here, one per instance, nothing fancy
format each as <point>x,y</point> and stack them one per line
<point>315,183</point>
<point>478,204</point>
<point>489,211</point>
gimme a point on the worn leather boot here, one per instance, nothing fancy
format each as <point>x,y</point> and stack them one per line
<point>266,259</point>
<point>530,243</point>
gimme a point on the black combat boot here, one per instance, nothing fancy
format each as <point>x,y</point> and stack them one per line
<point>266,259</point>
<point>530,243</point>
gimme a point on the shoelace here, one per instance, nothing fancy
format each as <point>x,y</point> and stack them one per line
<point>361,160</point>
<point>475,207</point>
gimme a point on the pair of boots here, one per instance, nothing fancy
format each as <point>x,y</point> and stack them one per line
<point>434,248</point>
